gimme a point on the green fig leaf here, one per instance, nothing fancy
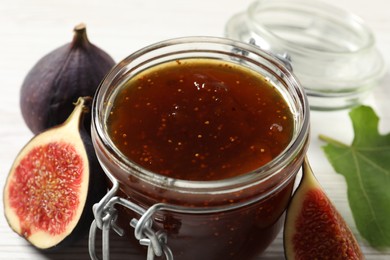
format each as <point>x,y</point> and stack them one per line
<point>365,164</point>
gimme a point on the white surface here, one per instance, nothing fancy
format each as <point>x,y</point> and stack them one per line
<point>30,29</point>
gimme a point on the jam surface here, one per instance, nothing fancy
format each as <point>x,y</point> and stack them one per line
<point>200,119</point>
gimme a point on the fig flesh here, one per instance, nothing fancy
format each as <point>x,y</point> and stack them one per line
<point>314,229</point>
<point>53,183</point>
<point>59,78</point>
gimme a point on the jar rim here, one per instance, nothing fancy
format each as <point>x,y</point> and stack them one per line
<point>299,139</point>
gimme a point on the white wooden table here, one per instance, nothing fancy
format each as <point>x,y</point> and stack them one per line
<point>30,29</point>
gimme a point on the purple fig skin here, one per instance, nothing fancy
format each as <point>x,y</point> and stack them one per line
<point>59,78</point>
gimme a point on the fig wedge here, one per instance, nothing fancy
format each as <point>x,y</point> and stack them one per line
<point>314,229</point>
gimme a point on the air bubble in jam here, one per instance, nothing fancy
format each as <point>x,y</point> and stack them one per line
<point>200,119</point>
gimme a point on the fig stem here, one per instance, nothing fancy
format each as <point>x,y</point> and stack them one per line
<point>86,103</point>
<point>80,37</point>
<point>78,111</point>
<point>331,141</point>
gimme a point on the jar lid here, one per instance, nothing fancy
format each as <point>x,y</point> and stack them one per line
<point>332,51</point>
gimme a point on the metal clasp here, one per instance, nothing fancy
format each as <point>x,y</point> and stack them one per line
<point>106,215</point>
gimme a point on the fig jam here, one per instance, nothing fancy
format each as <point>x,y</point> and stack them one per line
<point>206,139</point>
<point>200,119</point>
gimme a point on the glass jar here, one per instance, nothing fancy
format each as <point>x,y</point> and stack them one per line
<point>222,219</point>
<point>332,51</point>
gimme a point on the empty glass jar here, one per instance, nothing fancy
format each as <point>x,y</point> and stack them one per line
<point>332,51</point>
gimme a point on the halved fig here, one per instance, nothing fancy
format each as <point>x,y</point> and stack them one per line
<point>314,229</point>
<point>53,183</point>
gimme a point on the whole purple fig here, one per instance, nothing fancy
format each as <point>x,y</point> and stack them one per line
<point>59,78</point>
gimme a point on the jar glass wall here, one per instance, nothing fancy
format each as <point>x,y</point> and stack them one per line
<point>221,219</point>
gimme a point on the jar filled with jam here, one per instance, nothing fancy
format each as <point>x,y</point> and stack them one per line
<point>202,138</point>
